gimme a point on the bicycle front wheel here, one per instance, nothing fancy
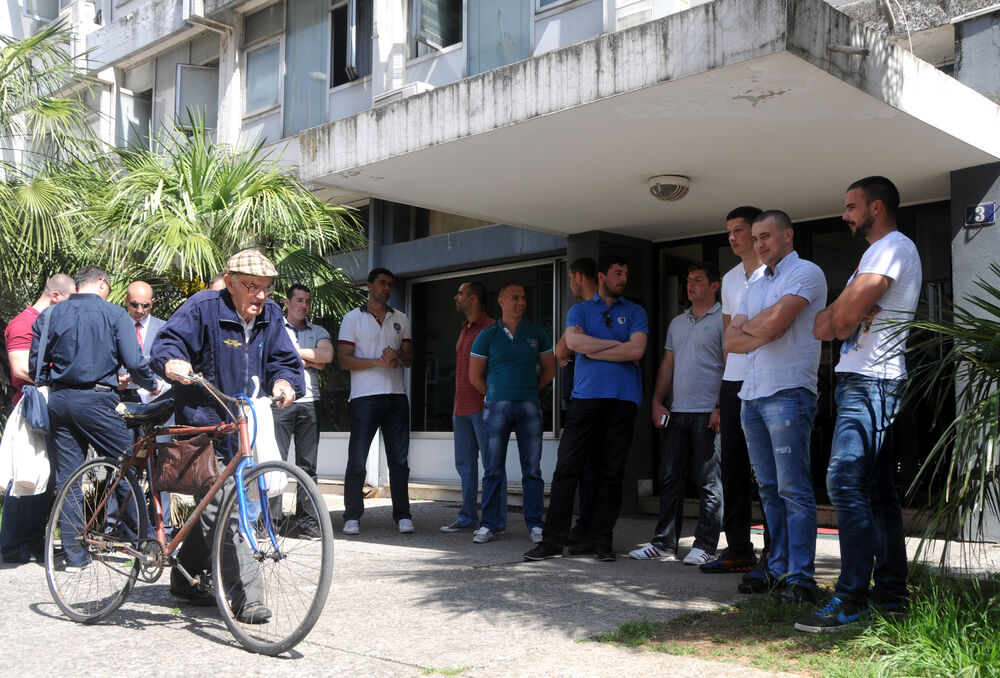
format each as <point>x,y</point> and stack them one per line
<point>89,569</point>
<point>271,598</point>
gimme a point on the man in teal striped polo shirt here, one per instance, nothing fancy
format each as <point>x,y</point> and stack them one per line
<point>502,367</point>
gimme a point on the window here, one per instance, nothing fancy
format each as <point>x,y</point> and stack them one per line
<point>137,112</point>
<point>499,34</point>
<point>263,60</point>
<point>46,10</point>
<point>427,223</point>
<point>197,95</point>
<point>436,328</point>
<point>263,78</point>
<point>350,41</point>
<point>435,24</point>
<point>306,82</point>
<point>263,23</point>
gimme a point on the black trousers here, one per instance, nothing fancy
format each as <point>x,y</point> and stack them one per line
<point>299,421</point>
<point>739,487</point>
<point>597,429</point>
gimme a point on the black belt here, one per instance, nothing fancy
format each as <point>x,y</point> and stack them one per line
<point>100,388</point>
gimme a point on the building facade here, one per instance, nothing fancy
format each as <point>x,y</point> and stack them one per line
<point>500,139</point>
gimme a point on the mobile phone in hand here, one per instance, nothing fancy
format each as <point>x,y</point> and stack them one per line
<point>664,420</point>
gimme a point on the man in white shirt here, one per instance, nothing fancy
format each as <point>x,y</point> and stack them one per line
<point>375,345</point>
<point>139,301</point>
<point>870,375</point>
<point>738,485</point>
<point>301,419</point>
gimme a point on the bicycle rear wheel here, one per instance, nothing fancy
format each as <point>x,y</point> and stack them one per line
<point>89,570</point>
<point>271,599</point>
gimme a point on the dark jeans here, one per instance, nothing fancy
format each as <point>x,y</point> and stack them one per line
<point>78,419</point>
<point>863,490</point>
<point>689,443</point>
<point>738,485</point>
<point>524,417</point>
<point>391,413</point>
<point>301,422</point>
<point>600,428</point>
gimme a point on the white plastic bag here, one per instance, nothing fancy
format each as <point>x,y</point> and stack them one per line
<point>23,458</point>
<point>266,446</point>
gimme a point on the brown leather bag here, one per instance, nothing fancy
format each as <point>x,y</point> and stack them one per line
<point>186,466</point>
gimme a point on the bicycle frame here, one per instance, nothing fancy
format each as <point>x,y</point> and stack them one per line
<point>141,459</point>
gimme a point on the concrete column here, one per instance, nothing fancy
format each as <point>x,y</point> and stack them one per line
<point>974,249</point>
<point>230,121</point>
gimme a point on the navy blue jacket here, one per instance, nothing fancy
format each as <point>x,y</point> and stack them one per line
<point>89,338</point>
<point>206,331</point>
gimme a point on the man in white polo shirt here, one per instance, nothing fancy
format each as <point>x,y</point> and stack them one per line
<point>375,345</point>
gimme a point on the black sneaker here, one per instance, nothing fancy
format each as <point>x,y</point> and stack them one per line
<point>836,615</point>
<point>309,529</point>
<point>253,613</point>
<point>794,593</point>
<point>544,551</point>
<point>759,579</point>
<point>729,562</point>
<point>604,553</point>
<point>890,607</point>
<point>581,548</point>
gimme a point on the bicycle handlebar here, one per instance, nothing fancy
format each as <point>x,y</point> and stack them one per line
<point>211,388</point>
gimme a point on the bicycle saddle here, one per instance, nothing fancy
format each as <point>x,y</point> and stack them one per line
<point>155,413</point>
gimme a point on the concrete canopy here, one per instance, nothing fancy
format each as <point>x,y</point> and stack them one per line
<point>742,96</point>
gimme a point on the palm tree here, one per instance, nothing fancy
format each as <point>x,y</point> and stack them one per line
<point>963,349</point>
<point>37,126</point>
<point>180,209</point>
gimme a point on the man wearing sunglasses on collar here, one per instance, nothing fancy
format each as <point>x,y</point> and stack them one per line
<point>139,302</point>
<point>608,334</point>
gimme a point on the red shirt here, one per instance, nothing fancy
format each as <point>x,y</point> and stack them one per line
<point>467,399</point>
<point>18,338</point>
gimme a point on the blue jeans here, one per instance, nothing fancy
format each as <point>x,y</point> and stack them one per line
<point>862,488</point>
<point>470,438</point>
<point>689,443</point>
<point>778,429</point>
<point>391,413</point>
<point>525,419</point>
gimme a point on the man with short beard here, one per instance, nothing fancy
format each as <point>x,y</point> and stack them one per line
<point>608,333</point>
<point>870,375</point>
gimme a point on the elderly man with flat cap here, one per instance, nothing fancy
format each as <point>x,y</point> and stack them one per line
<point>236,339</point>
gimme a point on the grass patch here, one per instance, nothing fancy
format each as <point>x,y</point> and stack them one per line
<point>951,631</point>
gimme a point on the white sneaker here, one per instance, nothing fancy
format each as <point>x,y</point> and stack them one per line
<point>352,527</point>
<point>696,556</point>
<point>535,535</point>
<point>405,526</point>
<point>650,552</point>
<point>483,535</point>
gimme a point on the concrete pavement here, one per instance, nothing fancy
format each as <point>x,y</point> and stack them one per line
<point>400,605</point>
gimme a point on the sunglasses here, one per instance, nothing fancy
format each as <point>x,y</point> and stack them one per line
<point>136,304</point>
<point>607,318</point>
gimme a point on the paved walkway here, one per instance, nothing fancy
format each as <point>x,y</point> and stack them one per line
<point>400,605</point>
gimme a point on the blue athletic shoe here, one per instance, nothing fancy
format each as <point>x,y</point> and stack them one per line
<point>836,615</point>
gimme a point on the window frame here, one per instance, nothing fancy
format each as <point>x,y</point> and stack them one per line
<point>272,40</point>
<point>413,41</point>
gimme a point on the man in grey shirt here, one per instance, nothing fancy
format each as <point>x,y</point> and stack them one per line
<point>301,419</point>
<point>773,326</point>
<point>691,370</point>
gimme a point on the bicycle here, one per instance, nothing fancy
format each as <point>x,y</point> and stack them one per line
<point>100,518</point>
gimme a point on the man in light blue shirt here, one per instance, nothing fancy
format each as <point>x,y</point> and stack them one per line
<point>774,328</point>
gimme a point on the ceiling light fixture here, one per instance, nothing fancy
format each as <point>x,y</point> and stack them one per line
<point>669,187</point>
